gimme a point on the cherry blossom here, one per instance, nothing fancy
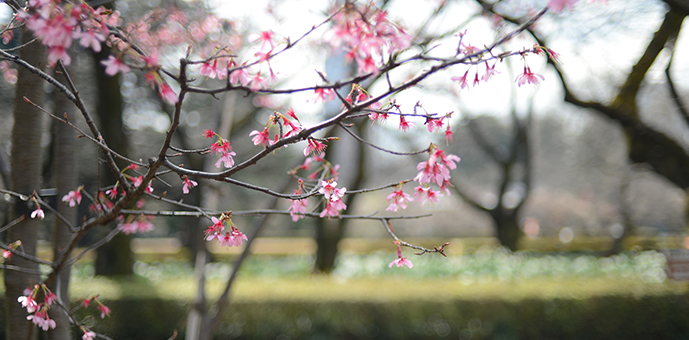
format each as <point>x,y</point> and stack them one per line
<point>88,335</point>
<point>38,213</point>
<point>261,137</point>
<point>433,124</point>
<point>462,80</point>
<point>401,261</point>
<point>104,311</point>
<point>404,124</point>
<point>490,71</point>
<point>128,227</point>
<point>257,82</point>
<point>448,135</point>
<point>112,193</point>
<point>324,95</point>
<point>226,159</point>
<point>327,188</point>
<point>89,38</point>
<point>28,302</point>
<point>166,92</point>
<point>41,319</point>
<point>399,199</point>
<point>314,146</point>
<point>528,77</point>
<point>188,184</point>
<point>298,209</point>
<point>114,65</point>
<point>73,197</point>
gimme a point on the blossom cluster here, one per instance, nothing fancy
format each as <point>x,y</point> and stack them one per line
<point>279,125</point>
<point>227,236</point>
<point>333,198</point>
<point>38,311</point>
<point>367,35</point>
<point>57,24</point>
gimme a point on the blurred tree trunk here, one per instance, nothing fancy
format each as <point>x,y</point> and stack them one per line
<point>330,232</point>
<point>646,144</point>
<point>26,178</point>
<point>515,168</point>
<point>66,179</point>
<point>114,257</point>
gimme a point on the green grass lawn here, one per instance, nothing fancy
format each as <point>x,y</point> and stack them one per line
<point>482,275</point>
<point>323,288</point>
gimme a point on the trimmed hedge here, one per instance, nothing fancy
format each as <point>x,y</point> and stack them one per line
<point>605,317</point>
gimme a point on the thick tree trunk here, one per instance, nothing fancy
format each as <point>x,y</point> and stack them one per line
<point>26,178</point>
<point>507,227</point>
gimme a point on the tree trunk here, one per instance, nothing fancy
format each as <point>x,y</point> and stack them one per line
<point>330,232</point>
<point>114,257</point>
<point>26,178</point>
<point>66,171</point>
<point>507,227</point>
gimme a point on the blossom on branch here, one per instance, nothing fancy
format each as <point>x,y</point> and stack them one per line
<point>528,77</point>
<point>114,65</point>
<point>399,199</point>
<point>400,261</point>
<point>38,213</point>
<point>188,184</point>
<point>73,197</point>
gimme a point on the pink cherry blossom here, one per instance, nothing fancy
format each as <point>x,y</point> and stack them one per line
<point>462,80</point>
<point>50,297</point>
<point>327,188</point>
<point>404,124</point>
<point>38,213</point>
<point>238,237</point>
<point>401,261</point>
<point>114,65</point>
<point>448,135</point>
<point>298,209</point>
<point>128,227</point>
<point>28,302</point>
<point>265,37</point>
<point>104,311</point>
<point>88,335</point>
<point>226,159</point>
<point>434,125</point>
<point>72,197</point>
<point>240,76</point>
<point>89,38</point>
<point>257,82</point>
<point>227,240</point>
<point>559,5</point>
<point>399,199</point>
<point>56,53</point>
<point>112,193</point>
<point>323,95</point>
<point>490,71</point>
<point>261,137</point>
<point>166,92</point>
<point>188,184</point>
<point>528,77</point>
<point>143,225</point>
<point>314,146</point>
